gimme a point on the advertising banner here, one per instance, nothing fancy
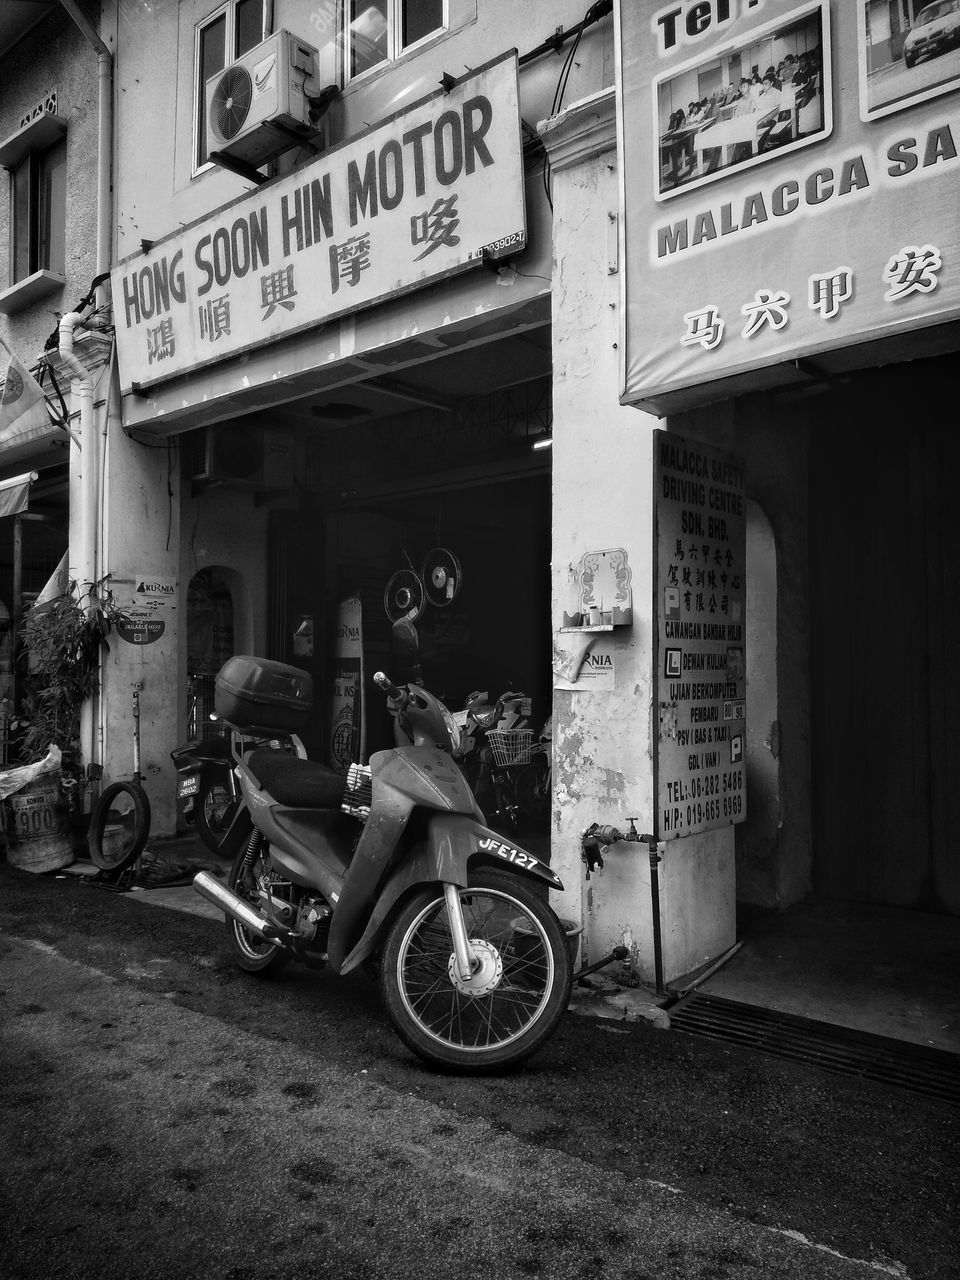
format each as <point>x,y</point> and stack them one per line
<point>699,604</point>
<point>790,183</point>
<point>423,195</point>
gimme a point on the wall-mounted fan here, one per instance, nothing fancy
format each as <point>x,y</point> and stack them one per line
<point>404,596</point>
<point>442,577</point>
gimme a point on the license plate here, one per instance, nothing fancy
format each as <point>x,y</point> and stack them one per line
<point>189,786</point>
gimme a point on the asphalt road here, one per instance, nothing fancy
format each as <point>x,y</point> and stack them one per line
<point>164,1115</point>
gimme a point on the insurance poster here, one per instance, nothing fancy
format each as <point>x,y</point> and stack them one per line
<point>790,182</point>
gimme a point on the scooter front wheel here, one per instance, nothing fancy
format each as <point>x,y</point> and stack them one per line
<point>252,953</point>
<point>511,1003</point>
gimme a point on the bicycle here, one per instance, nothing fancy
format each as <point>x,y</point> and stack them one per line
<point>120,819</point>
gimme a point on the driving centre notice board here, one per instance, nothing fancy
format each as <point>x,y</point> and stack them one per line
<point>699,661</point>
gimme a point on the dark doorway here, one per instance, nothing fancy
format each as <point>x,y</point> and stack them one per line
<point>885,580</point>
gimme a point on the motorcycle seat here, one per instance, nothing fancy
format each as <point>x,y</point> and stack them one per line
<point>301,784</point>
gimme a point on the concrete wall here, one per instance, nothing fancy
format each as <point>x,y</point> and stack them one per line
<point>157,191</point>
<point>54,56</point>
<point>602,476</point>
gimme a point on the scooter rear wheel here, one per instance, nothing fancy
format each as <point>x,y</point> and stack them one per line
<point>214,809</point>
<point>252,953</point>
<point>509,1006</point>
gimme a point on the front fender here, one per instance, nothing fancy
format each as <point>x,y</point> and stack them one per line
<point>453,842</point>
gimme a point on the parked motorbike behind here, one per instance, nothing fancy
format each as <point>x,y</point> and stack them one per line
<point>207,784</point>
<point>506,769</point>
<point>394,866</point>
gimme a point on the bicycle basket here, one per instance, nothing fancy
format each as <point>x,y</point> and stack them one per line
<point>510,746</point>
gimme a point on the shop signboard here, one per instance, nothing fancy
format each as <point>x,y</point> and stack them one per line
<point>699,606</point>
<point>790,181</point>
<point>428,193</point>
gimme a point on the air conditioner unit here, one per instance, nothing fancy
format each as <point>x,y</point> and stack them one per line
<point>258,106</point>
<point>244,457</point>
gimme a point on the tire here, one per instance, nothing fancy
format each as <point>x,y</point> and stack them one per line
<point>532,787</point>
<point>526,969</point>
<point>214,808</point>
<point>252,954</point>
<point>908,61</point>
<point>119,826</point>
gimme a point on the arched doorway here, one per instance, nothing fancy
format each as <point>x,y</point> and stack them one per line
<point>210,642</point>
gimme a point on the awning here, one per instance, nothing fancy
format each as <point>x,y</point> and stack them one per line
<point>28,435</point>
<point>15,493</point>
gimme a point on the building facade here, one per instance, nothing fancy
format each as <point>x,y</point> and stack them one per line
<point>345,317</point>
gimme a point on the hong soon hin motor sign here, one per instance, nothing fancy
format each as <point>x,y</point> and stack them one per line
<point>699,605</point>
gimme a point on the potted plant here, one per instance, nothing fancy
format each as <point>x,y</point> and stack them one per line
<point>61,640</point>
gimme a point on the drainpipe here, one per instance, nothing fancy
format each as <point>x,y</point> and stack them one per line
<point>104,142</point>
<point>87,566</point>
<point>89,489</point>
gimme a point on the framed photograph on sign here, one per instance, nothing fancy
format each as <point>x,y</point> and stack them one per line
<point>909,52</point>
<point>762,95</point>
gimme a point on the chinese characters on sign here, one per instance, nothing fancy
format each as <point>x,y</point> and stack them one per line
<point>913,270</point>
<point>427,194</point>
<point>700,595</point>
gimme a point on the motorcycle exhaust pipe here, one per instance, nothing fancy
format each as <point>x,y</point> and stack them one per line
<point>230,904</point>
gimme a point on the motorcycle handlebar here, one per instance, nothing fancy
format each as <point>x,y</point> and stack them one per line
<point>384,682</point>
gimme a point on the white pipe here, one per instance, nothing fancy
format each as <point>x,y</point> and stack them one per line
<point>104,142</point>
<point>82,388</point>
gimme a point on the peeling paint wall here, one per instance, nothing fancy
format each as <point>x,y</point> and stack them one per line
<point>603,498</point>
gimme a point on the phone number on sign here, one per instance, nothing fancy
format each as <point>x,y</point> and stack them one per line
<point>496,248</point>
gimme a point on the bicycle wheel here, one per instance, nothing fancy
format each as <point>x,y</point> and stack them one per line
<point>119,826</point>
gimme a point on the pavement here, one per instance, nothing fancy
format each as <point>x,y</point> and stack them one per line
<point>889,973</point>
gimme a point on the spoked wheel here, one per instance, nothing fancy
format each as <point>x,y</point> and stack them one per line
<point>251,952</point>
<point>119,826</point>
<point>511,1003</point>
<point>215,807</point>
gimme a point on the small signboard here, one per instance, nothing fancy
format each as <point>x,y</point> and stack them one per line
<point>699,606</point>
<point>138,631</point>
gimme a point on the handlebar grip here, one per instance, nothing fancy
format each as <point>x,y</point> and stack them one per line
<point>384,682</point>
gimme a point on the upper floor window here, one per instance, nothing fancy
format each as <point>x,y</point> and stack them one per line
<point>38,207</point>
<point>227,34</point>
<point>381,30</point>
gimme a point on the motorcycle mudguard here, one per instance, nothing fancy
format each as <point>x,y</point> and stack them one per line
<point>453,843</point>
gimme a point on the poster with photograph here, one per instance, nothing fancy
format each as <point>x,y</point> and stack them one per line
<point>909,52</point>
<point>754,239</point>
<point>750,100</point>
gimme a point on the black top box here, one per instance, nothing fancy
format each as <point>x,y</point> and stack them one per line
<point>259,695</point>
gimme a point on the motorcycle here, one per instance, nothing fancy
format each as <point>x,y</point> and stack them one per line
<point>207,783</point>
<point>207,786</point>
<point>393,866</point>
<point>496,747</point>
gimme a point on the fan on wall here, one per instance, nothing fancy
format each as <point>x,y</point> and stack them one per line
<point>404,596</point>
<point>441,576</point>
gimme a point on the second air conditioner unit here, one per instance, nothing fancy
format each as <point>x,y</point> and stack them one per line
<point>258,106</point>
<point>243,457</point>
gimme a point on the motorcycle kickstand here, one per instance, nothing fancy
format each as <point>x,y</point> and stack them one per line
<point>466,961</point>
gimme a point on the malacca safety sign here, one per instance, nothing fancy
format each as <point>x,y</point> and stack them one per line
<point>700,655</point>
<point>790,184</point>
<point>421,196</point>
